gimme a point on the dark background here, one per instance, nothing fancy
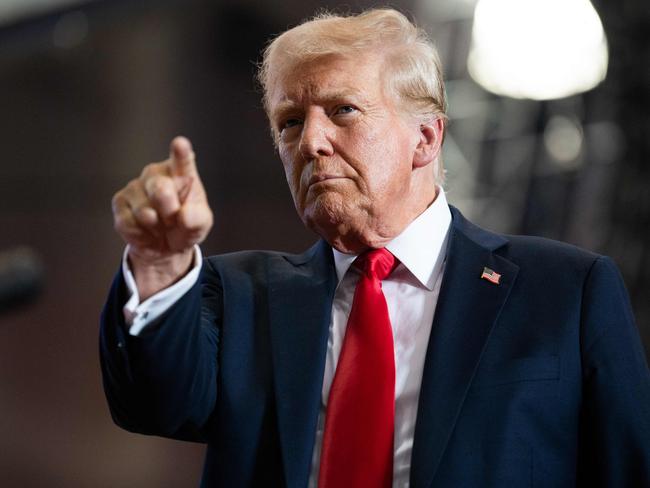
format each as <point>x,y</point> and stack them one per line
<point>89,95</point>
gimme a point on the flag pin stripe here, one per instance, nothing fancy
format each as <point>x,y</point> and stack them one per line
<point>491,275</point>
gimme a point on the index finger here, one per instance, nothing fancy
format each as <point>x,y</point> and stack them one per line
<point>181,155</point>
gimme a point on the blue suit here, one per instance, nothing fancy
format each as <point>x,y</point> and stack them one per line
<point>539,380</point>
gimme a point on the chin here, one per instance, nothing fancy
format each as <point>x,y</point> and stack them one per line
<point>328,214</point>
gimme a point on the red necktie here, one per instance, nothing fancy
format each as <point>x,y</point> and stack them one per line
<point>359,422</point>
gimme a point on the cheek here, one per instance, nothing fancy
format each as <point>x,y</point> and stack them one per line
<point>381,162</point>
<point>389,174</point>
<point>292,171</point>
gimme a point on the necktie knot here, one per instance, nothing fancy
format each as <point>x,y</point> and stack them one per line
<point>376,263</point>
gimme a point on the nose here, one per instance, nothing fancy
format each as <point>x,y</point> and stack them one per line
<point>315,139</point>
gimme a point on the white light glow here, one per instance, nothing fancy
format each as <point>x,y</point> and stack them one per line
<point>537,49</point>
<point>563,140</point>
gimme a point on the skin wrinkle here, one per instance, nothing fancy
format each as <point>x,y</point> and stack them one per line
<point>380,158</point>
<point>287,108</point>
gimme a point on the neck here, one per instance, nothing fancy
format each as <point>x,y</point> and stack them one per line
<point>376,231</point>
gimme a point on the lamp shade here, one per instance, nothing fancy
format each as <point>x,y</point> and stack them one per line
<point>537,49</point>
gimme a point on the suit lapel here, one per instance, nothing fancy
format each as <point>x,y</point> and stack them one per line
<point>301,291</point>
<point>467,309</point>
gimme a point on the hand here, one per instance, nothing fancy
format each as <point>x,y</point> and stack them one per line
<point>162,214</point>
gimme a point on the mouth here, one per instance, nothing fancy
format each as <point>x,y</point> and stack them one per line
<point>323,178</point>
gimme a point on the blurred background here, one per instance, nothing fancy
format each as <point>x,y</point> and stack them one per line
<point>90,91</point>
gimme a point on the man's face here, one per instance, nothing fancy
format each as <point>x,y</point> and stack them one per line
<point>347,151</point>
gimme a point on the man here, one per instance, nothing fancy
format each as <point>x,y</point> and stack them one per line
<point>408,347</point>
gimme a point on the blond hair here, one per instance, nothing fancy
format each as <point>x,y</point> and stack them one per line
<point>412,68</point>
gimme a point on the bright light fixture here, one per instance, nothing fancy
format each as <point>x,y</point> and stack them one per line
<point>537,49</point>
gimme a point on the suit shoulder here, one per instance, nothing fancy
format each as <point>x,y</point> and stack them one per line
<point>535,244</point>
<point>258,260</point>
<point>531,253</point>
<point>548,254</point>
<point>242,258</point>
<point>249,261</point>
<point>542,246</point>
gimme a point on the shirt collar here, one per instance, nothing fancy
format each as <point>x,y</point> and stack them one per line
<point>421,247</point>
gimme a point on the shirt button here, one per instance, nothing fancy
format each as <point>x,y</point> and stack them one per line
<point>120,344</point>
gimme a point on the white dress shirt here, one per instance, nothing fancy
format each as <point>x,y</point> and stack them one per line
<point>411,293</point>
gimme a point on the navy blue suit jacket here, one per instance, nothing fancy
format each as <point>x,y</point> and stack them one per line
<point>539,381</point>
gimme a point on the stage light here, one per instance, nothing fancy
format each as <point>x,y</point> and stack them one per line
<point>537,49</point>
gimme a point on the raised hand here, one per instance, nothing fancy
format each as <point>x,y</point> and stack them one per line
<point>161,215</point>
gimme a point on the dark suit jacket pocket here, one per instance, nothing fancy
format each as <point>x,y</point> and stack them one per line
<point>535,368</point>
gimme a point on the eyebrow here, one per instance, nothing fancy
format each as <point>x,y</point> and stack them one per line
<point>287,106</point>
<point>283,108</point>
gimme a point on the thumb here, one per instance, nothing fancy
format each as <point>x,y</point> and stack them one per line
<point>182,158</point>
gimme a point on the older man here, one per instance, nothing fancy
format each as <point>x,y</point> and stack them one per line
<point>408,347</point>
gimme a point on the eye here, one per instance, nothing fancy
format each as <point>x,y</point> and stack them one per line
<point>289,123</point>
<point>344,110</point>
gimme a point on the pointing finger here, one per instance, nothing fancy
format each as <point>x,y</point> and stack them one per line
<point>182,157</point>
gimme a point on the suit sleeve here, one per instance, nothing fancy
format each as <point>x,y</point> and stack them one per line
<point>615,416</point>
<point>164,381</point>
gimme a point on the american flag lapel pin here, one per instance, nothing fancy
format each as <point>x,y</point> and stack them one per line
<point>490,275</point>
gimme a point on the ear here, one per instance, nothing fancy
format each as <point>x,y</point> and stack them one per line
<point>429,142</point>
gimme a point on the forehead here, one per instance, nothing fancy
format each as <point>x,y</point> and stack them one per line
<point>326,78</point>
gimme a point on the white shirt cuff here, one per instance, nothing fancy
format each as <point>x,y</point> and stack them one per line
<point>138,315</point>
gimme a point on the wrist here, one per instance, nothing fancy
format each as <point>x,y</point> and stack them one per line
<point>154,273</point>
